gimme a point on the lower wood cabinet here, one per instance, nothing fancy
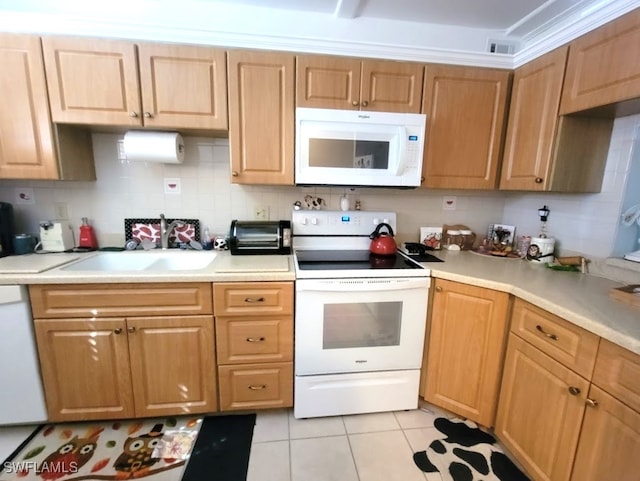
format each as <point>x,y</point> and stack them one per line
<point>254,339</point>
<point>466,344</point>
<point>119,368</point>
<point>540,413</point>
<point>112,366</point>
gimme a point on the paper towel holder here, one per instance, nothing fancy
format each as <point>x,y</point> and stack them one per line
<point>154,146</point>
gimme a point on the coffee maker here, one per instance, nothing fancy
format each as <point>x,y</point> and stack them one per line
<point>6,229</point>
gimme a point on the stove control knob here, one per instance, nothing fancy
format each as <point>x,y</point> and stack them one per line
<point>376,221</point>
<point>314,221</point>
<point>304,221</point>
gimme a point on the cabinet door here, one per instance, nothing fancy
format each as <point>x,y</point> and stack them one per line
<point>610,441</point>
<point>85,368</point>
<point>603,66</point>
<point>540,411</point>
<point>172,364</point>
<point>261,115</point>
<point>328,82</point>
<point>533,118</point>
<point>183,86</point>
<point>465,109</point>
<point>92,81</point>
<point>464,357</point>
<point>391,86</point>
<point>26,141</point>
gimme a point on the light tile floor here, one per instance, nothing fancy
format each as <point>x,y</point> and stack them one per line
<point>364,447</point>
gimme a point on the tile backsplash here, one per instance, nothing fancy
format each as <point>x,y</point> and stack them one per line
<point>585,223</point>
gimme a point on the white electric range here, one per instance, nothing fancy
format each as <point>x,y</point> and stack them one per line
<point>360,318</point>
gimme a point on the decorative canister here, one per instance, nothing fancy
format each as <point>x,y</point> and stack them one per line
<point>541,250</point>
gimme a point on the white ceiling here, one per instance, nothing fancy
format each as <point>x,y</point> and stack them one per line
<point>445,31</point>
<point>505,15</point>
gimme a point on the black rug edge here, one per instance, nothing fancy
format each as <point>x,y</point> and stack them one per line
<point>198,465</point>
<point>21,446</point>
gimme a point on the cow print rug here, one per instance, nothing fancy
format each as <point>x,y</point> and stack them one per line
<point>466,453</point>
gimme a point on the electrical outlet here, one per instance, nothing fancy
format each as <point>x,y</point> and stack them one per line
<point>261,212</point>
<point>60,211</point>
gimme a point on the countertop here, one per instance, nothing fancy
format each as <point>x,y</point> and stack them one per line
<point>581,299</point>
<point>224,268</point>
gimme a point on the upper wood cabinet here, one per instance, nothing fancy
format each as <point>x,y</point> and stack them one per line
<point>466,112</point>
<point>97,81</point>
<point>544,151</point>
<point>261,117</point>
<point>603,66</point>
<point>464,354</point>
<point>349,83</point>
<point>30,146</point>
<point>533,119</point>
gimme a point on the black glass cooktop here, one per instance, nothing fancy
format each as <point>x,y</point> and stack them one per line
<point>352,260</point>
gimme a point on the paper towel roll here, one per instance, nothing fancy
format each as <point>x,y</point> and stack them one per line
<point>163,147</point>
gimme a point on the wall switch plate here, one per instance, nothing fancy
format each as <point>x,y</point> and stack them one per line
<point>261,212</point>
<point>60,211</point>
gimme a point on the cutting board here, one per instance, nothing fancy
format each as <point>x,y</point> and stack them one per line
<point>275,263</point>
<point>34,263</point>
<point>627,294</point>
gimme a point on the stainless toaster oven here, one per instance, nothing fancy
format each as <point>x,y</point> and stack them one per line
<point>260,237</point>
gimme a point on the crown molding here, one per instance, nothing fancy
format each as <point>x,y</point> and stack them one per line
<point>555,34</point>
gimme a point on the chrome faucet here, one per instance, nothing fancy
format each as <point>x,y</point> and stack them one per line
<point>165,230</point>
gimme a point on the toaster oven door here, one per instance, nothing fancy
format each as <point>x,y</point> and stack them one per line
<point>255,238</point>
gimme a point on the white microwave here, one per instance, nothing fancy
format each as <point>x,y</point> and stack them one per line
<point>359,148</point>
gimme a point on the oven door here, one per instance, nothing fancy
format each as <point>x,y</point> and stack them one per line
<point>358,325</point>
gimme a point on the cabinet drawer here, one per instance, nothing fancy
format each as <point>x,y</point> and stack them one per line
<point>569,344</point>
<point>242,340</point>
<point>240,299</point>
<point>106,300</point>
<point>255,386</point>
<point>617,371</point>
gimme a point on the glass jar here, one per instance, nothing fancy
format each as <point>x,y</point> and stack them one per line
<point>453,240</point>
<point>468,238</point>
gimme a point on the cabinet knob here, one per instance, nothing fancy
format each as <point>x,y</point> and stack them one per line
<point>355,103</point>
<point>539,180</point>
<point>235,173</point>
<point>422,179</point>
<point>553,337</point>
<point>254,299</point>
<point>592,403</point>
<point>258,387</point>
<point>132,329</point>
<point>439,289</point>
<point>574,391</point>
<point>255,339</point>
<point>117,330</point>
<point>147,115</point>
<point>133,115</point>
<point>365,103</point>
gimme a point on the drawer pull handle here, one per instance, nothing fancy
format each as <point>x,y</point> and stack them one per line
<point>592,403</point>
<point>574,391</point>
<point>255,339</point>
<point>254,299</point>
<point>258,387</point>
<point>553,337</point>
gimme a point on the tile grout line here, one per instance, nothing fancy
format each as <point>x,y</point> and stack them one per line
<point>355,465</point>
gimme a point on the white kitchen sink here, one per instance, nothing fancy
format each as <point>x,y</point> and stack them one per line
<point>156,261</point>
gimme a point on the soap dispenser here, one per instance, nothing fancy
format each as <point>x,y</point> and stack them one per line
<point>87,238</point>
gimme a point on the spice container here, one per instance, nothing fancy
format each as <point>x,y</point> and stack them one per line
<point>468,238</point>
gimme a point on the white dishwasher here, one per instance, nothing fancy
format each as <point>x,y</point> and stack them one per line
<point>22,399</point>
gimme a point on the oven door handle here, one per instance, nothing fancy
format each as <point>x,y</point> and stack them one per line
<point>361,285</point>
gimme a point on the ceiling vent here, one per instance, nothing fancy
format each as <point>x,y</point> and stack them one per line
<point>501,46</point>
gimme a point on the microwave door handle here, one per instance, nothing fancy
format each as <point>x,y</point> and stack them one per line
<point>402,150</point>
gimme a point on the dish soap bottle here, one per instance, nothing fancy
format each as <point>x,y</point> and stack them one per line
<point>87,238</point>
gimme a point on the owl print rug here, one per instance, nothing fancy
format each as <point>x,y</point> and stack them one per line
<point>161,449</point>
<point>466,453</point>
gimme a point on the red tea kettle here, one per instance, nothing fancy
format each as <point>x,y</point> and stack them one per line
<point>382,243</point>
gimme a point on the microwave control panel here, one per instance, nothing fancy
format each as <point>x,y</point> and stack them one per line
<point>338,223</point>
